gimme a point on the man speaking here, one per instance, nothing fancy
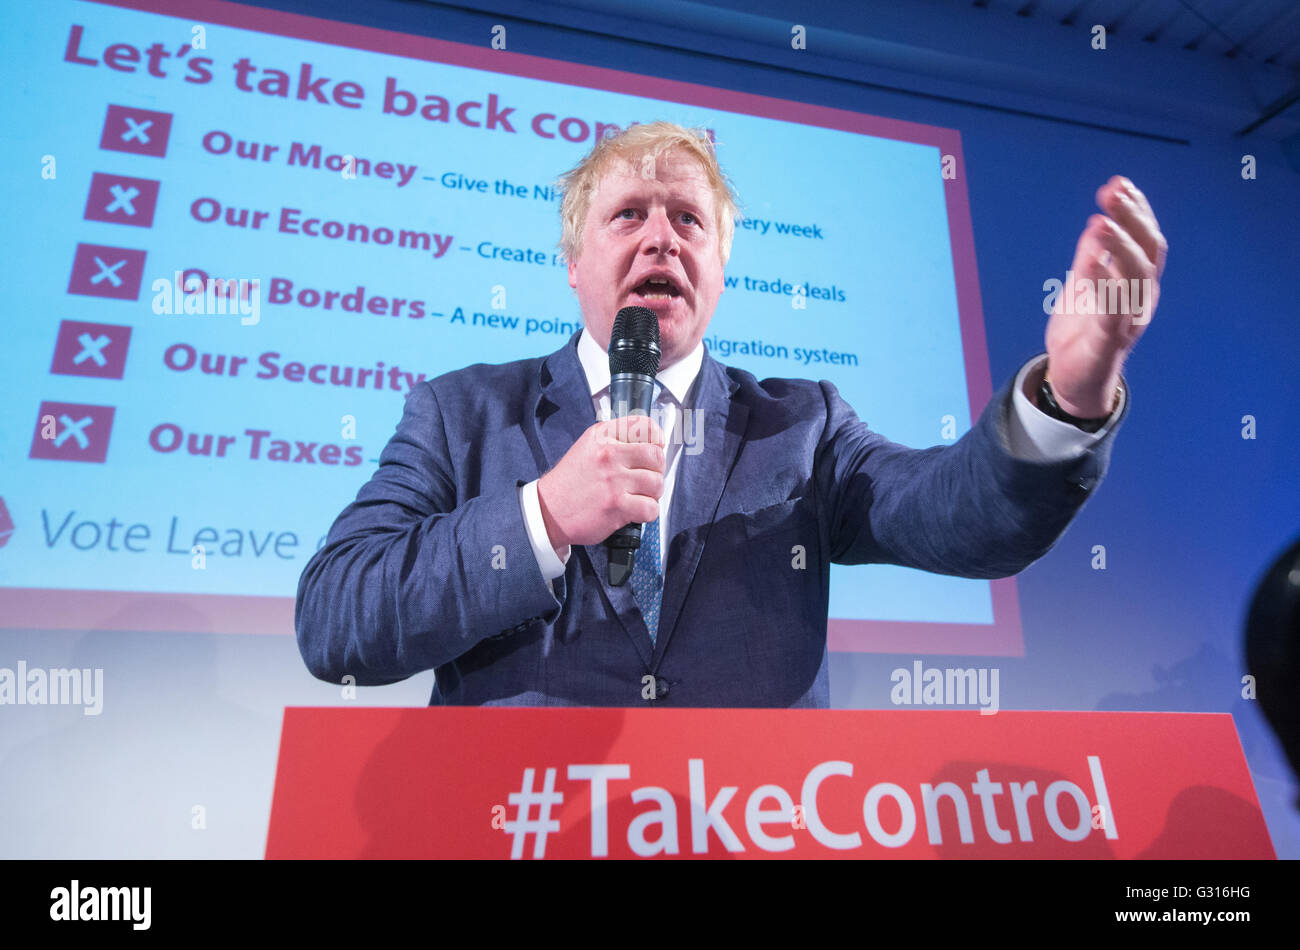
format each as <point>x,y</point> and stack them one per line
<point>476,549</point>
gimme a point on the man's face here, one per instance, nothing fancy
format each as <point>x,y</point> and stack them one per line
<point>640,228</point>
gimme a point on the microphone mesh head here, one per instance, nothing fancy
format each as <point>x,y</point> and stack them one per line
<point>634,342</point>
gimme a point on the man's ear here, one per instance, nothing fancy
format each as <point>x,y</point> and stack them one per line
<point>573,274</point>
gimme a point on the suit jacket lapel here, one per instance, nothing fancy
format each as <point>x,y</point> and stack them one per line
<point>564,411</point>
<point>700,482</point>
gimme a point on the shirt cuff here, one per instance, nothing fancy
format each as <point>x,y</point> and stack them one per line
<point>550,564</point>
<point>1037,437</point>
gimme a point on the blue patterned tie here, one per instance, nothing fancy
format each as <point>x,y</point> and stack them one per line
<point>647,581</point>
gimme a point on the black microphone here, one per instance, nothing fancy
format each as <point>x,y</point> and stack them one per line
<point>633,365</point>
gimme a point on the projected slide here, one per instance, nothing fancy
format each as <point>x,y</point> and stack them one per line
<point>234,251</point>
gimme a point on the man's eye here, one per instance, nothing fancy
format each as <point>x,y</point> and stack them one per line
<point>691,217</point>
<point>631,211</point>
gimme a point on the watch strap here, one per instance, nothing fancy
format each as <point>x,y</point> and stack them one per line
<point>1048,404</point>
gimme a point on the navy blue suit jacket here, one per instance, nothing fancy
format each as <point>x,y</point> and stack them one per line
<point>431,567</point>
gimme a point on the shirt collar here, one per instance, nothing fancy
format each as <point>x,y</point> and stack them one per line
<point>677,379</point>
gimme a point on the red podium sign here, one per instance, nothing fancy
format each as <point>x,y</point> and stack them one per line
<point>461,782</point>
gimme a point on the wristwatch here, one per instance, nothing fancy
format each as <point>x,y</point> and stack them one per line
<point>1048,404</point>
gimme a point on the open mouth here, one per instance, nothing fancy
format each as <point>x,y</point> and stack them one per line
<point>657,289</point>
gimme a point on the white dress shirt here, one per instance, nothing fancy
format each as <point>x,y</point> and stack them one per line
<point>1034,436</point>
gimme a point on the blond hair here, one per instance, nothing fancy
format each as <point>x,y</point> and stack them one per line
<point>634,144</point>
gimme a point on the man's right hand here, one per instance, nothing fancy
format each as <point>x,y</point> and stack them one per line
<point>611,477</point>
